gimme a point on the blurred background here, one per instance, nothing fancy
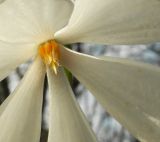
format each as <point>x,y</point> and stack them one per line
<point>106,128</point>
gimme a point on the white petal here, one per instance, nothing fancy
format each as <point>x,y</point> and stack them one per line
<point>12,55</point>
<point>128,90</point>
<point>32,20</point>
<point>5,103</point>
<point>113,22</point>
<point>1,1</point>
<point>67,122</point>
<point>20,120</point>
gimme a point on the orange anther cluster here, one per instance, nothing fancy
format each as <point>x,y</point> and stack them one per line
<point>50,53</point>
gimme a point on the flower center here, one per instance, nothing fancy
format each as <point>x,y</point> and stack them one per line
<point>50,54</point>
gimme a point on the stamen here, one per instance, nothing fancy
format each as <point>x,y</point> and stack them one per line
<point>50,54</point>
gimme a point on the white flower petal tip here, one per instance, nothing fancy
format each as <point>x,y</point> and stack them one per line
<point>113,22</point>
<point>20,119</point>
<point>128,90</point>
<point>67,122</point>
<point>33,22</point>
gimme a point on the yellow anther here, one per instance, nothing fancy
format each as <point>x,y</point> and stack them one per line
<point>50,54</point>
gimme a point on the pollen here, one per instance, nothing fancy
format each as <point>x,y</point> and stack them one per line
<point>50,54</point>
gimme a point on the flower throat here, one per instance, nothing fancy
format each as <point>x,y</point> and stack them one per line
<point>50,53</point>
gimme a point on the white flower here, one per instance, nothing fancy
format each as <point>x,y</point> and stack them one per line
<point>37,29</point>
